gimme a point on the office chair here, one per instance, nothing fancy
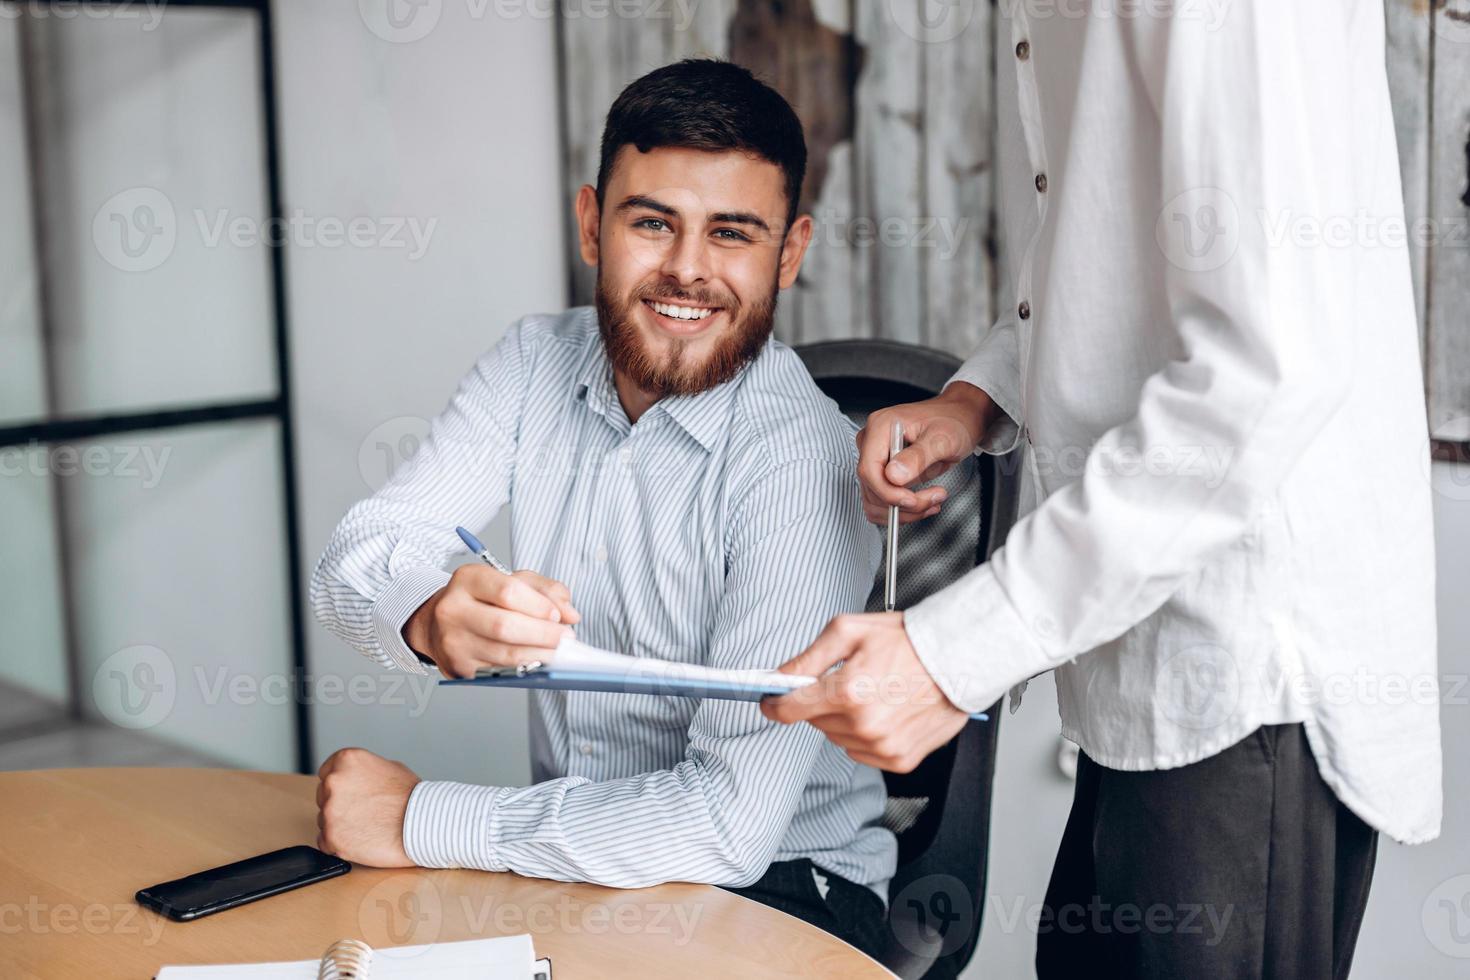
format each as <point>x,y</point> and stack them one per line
<point>940,812</point>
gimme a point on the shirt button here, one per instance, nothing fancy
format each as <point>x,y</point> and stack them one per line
<point>600,555</point>
<point>626,455</point>
<point>585,748</point>
<point>1045,628</point>
<point>1024,310</point>
<point>1041,183</point>
<point>1023,50</point>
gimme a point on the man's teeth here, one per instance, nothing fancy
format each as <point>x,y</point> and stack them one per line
<point>680,312</point>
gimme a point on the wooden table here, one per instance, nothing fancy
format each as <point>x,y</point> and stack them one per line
<point>76,844</point>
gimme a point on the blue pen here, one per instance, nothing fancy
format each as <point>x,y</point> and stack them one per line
<point>473,543</point>
<point>483,553</point>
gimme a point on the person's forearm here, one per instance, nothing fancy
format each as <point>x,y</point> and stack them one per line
<point>415,632</point>
<point>687,823</point>
<point>975,401</point>
<point>989,385</point>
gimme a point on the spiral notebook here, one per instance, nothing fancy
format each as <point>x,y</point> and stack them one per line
<point>501,958</point>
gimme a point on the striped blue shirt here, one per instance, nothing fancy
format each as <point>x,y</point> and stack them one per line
<point>724,528</point>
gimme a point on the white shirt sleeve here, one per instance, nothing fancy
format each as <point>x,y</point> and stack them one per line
<point>995,368</point>
<point>386,557</point>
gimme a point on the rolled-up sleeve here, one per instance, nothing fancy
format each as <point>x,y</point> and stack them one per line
<point>995,368</point>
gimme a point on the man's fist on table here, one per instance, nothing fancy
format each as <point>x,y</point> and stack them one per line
<point>361,799</point>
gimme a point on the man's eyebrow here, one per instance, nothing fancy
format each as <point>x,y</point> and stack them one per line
<point>739,218</point>
<point>635,201</point>
<point>639,201</point>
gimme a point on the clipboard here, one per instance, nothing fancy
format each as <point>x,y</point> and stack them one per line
<point>552,678</point>
<point>576,666</point>
<point>549,678</point>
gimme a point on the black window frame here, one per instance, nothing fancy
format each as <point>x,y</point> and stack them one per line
<point>54,428</point>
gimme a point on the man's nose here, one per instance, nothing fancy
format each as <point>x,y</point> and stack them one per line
<point>687,261</point>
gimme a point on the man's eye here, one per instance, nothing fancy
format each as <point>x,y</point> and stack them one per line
<point>731,235</point>
<point>652,224</point>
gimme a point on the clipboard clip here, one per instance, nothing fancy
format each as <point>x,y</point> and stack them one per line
<point>520,670</point>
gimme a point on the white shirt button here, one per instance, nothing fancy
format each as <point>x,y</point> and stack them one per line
<point>585,748</point>
<point>626,455</point>
<point>1044,627</point>
<point>600,555</point>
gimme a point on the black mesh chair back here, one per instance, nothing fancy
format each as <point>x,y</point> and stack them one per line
<point>940,812</point>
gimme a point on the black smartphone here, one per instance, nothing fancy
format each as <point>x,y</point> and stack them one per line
<point>217,889</point>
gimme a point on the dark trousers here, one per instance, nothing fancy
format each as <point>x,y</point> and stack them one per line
<point>851,912</point>
<point>1241,865</point>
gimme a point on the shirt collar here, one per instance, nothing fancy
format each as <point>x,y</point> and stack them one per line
<point>705,416</point>
<point>594,383</point>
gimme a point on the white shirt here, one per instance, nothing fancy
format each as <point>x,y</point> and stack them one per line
<point>1209,348</point>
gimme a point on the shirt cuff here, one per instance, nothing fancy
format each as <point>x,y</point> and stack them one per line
<point>974,644</point>
<point>452,825</point>
<point>400,600</point>
<point>994,373</point>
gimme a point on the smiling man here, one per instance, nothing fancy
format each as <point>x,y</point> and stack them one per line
<point>680,488</point>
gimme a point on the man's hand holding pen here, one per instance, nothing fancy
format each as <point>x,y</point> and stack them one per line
<point>940,431</point>
<point>486,618</point>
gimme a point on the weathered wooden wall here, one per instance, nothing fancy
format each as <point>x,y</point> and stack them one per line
<point>1447,266</point>
<point>899,137</point>
<point>900,124</point>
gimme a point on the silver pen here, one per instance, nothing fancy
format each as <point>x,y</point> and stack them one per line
<point>890,565</point>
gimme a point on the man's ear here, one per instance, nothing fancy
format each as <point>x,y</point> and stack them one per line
<point>793,248</point>
<point>589,223</point>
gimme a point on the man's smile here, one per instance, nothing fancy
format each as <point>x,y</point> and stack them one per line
<point>681,319</point>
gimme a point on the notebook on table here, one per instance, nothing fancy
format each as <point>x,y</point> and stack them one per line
<point>501,958</point>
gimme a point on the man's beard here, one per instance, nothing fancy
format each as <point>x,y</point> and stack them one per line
<point>661,378</point>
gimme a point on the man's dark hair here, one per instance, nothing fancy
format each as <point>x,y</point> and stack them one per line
<point>706,104</point>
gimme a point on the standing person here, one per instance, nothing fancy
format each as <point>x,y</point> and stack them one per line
<point>1227,553</point>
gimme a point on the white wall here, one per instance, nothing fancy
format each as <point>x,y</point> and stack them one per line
<point>1409,931</point>
<point>455,130</point>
